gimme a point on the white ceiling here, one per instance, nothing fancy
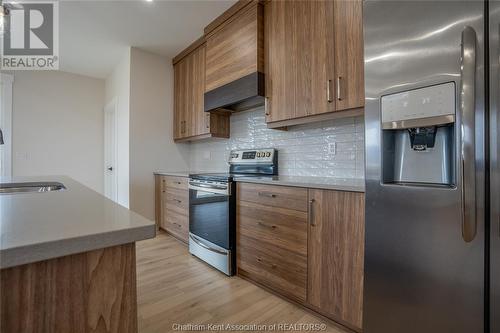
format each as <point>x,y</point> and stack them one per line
<point>94,35</point>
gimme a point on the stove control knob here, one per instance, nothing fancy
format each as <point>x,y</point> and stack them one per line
<point>258,154</point>
<point>268,154</point>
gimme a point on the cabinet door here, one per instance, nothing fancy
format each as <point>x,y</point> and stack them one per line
<point>349,66</point>
<point>180,98</point>
<point>234,49</point>
<point>299,59</point>
<point>199,124</point>
<point>336,254</point>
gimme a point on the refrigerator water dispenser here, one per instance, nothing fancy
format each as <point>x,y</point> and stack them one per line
<point>419,136</point>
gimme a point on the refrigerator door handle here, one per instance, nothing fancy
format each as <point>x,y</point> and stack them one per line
<point>467,153</point>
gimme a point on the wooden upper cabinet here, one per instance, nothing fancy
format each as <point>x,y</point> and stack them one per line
<point>298,43</point>
<point>234,45</point>
<point>313,58</point>
<point>336,255</point>
<point>349,48</point>
<point>191,122</point>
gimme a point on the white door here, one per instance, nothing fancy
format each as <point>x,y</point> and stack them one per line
<point>6,124</point>
<point>110,149</point>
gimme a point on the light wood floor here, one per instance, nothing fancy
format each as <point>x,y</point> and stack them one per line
<point>175,288</point>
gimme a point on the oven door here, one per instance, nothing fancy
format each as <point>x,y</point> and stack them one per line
<point>209,212</point>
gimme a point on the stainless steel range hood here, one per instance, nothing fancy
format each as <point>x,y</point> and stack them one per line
<point>242,94</point>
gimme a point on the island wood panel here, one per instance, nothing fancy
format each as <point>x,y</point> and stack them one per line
<point>349,65</point>
<point>299,59</point>
<point>275,196</point>
<point>336,254</point>
<point>88,292</point>
<point>234,48</point>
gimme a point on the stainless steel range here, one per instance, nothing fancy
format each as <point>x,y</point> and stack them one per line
<point>212,206</point>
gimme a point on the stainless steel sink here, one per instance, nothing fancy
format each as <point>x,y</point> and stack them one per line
<point>30,187</point>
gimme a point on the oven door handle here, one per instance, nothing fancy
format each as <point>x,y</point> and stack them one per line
<point>214,187</point>
<point>224,190</point>
<point>206,246</point>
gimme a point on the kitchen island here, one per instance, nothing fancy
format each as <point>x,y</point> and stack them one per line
<point>67,260</point>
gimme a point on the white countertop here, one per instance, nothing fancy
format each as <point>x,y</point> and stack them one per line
<point>173,173</point>
<point>327,183</point>
<point>41,226</point>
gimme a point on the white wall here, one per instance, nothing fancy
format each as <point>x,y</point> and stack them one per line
<point>118,88</point>
<point>58,126</point>
<point>151,128</point>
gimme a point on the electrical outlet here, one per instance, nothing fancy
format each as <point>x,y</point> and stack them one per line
<point>332,148</point>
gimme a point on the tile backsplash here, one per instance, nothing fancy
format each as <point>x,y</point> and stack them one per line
<point>333,148</point>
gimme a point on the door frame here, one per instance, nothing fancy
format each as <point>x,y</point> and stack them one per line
<point>111,108</point>
<point>6,86</point>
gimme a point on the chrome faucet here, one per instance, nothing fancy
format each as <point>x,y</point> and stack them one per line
<point>1,137</point>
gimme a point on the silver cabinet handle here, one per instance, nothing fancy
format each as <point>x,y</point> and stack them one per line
<point>467,153</point>
<point>328,93</point>
<point>206,246</point>
<point>338,88</point>
<point>267,195</point>
<point>266,106</point>
<point>311,213</point>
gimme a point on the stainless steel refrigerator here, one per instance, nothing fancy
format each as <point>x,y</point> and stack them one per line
<point>432,261</point>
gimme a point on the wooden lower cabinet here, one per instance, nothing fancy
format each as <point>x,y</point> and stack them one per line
<point>336,255</point>
<point>272,247</point>
<point>305,244</point>
<point>172,205</point>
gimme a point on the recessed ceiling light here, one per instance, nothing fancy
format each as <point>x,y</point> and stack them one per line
<point>149,0</point>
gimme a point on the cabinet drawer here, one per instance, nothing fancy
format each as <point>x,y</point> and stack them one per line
<point>294,198</point>
<point>177,225</point>
<point>284,228</point>
<point>176,200</point>
<point>281,270</point>
<point>180,183</point>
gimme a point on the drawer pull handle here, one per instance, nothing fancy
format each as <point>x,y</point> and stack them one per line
<point>267,195</point>
<point>311,212</point>
<point>266,225</point>
<point>339,97</point>
<point>177,200</point>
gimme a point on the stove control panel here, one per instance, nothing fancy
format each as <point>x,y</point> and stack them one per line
<point>263,155</point>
